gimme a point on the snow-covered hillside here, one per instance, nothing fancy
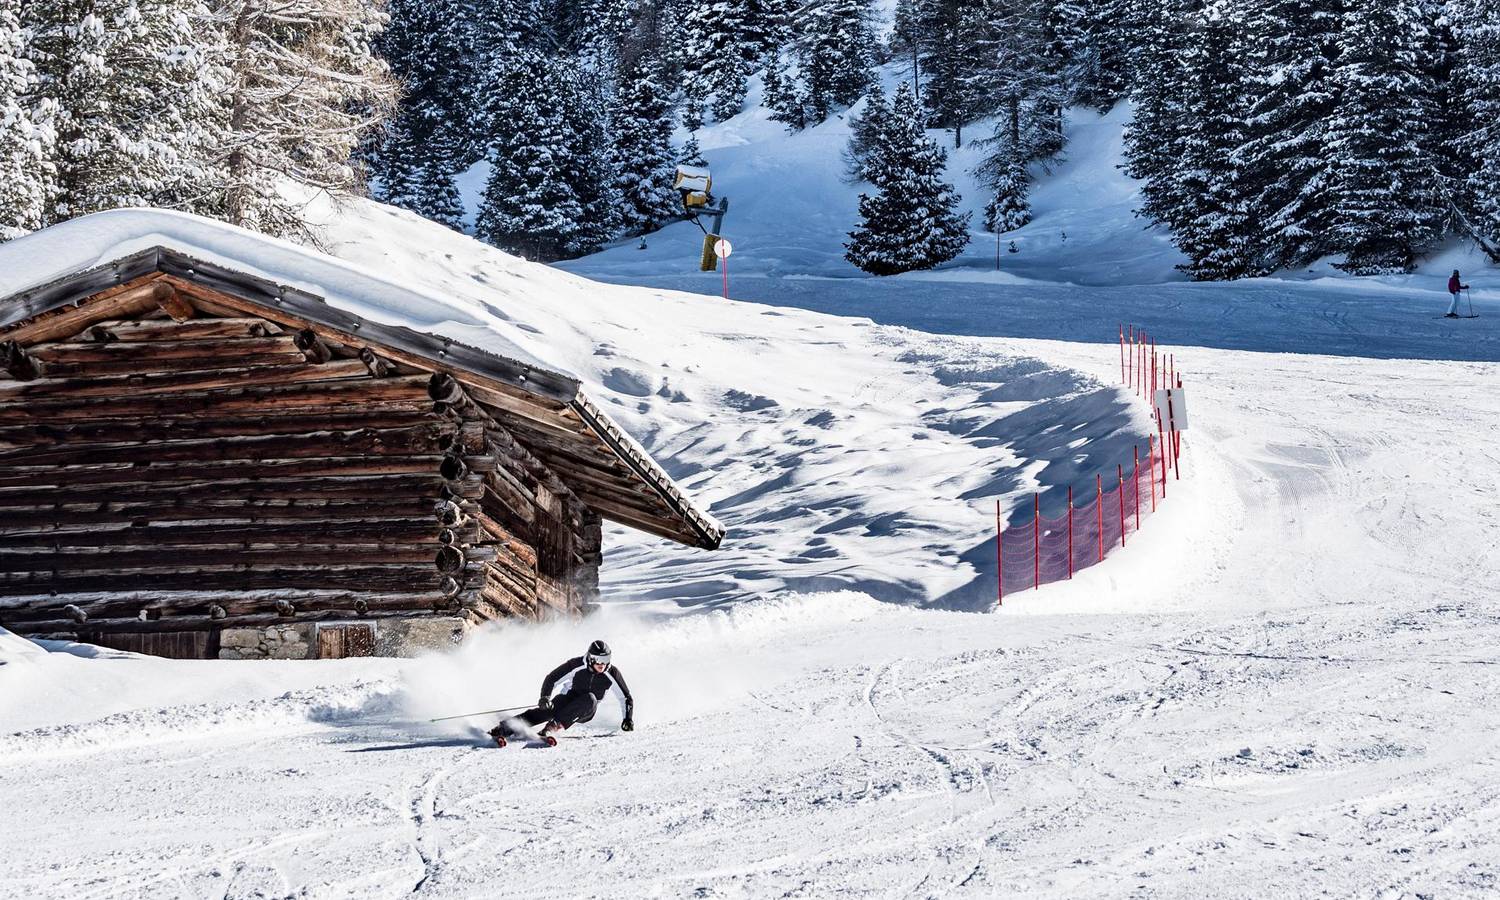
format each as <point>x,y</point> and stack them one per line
<point>1284,685</point>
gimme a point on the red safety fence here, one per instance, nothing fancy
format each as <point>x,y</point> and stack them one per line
<point>1101,515</point>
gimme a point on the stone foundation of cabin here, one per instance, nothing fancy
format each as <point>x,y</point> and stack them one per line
<point>394,636</point>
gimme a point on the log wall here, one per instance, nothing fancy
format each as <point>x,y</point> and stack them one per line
<point>172,473</point>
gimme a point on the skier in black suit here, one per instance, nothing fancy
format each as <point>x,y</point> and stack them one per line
<point>588,678</point>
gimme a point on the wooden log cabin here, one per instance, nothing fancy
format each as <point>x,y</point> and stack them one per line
<point>200,458</point>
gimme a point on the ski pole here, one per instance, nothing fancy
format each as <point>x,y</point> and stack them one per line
<point>1470,298</point>
<point>481,713</point>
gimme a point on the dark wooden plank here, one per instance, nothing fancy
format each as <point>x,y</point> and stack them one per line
<point>260,399</point>
<point>366,441</point>
<point>423,464</point>
<point>216,377</point>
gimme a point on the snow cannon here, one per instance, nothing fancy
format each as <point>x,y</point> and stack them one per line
<point>695,184</point>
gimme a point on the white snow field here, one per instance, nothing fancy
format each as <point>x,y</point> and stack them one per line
<point>1286,685</point>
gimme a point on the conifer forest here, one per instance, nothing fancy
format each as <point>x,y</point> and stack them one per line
<point>1264,134</point>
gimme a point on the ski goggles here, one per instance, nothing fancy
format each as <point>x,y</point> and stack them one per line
<point>598,661</point>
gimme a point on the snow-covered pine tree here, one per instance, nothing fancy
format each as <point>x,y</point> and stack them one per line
<point>1213,224</point>
<point>944,32</point>
<point>692,154</point>
<point>1287,51</point>
<point>1010,207</point>
<point>133,88</point>
<point>717,51</point>
<point>26,136</point>
<point>551,193</point>
<point>1156,132</point>
<point>589,162</point>
<point>836,54</point>
<point>1476,103</point>
<point>783,93</point>
<point>643,148</point>
<point>1094,40</point>
<point>304,90</point>
<point>426,142</point>
<point>528,206</point>
<point>912,220</point>
<point>865,129</point>
<point>1383,189</point>
<point>1019,72</point>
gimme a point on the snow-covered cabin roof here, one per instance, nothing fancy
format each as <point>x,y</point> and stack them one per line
<point>70,265</point>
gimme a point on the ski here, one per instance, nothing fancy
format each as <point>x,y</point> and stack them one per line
<point>1475,316</point>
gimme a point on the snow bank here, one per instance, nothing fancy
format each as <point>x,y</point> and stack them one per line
<point>16,649</point>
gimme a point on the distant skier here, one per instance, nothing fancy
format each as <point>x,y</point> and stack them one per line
<point>1454,286</point>
<point>591,678</point>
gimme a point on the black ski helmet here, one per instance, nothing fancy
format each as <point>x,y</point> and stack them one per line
<point>598,653</point>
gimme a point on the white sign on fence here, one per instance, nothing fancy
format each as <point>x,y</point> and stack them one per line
<point>1171,405</point>
<point>723,248</point>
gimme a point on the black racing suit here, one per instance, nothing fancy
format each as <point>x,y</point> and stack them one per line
<point>579,701</point>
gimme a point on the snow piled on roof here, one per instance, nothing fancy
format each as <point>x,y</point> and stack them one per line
<point>385,295</point>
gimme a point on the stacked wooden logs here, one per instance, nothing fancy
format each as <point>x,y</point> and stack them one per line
<point>176,473</point>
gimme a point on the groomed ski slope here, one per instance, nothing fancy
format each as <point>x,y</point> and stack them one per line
<point>1285,686</point>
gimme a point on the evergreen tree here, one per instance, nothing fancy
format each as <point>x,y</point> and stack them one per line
<point>784,95</point>
<point>426,143</point>
<point>1010,207</point>
<point>912,221</point>
<point>1287,51</point>
<point>643,146</point>
<point>943,32</point>
<point>552,192</point>
<point>1157,132</point>
<point>1094,40</point>
<point>1383,166</point>
<point>304,89</point>
<point>1213,224</point>
<point>717,53</point>
<point>133,89</point>
<point>836,58</point>
<point>1020,75</point>
<point>26,137</point>
<point>1475,141</point>
<point>528,207</point>
<point>692,154</point>
<point>589,162</point>
<point>865,129</point>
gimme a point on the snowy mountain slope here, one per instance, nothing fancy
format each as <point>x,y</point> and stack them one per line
<point>1283,686</point>
<point>791,210</point>
<point>806,435</point>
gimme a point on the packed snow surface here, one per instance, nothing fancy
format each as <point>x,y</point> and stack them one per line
<point>1284,686</point>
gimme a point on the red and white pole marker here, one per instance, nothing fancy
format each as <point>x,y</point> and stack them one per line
<point>722,249</point>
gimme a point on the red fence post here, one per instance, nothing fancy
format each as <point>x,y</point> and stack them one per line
<point>1122,352</point>
<point>999,557</point>
<point>1130,376</point>
<point>1036,542</point>
<point>1135,486</point>
<point>1151,468</point>
<point>1099,511</point>
<point>1161,441</point>
<point>1120,472</point>
<point>1070,532</point>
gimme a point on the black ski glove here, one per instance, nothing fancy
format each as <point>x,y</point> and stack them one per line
<point>544,704</point>
<point>627,725</point>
